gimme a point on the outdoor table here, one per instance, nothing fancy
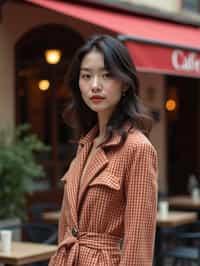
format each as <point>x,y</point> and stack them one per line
<point>171,220</point>
<point>184,202</point>
<point>27,252</point>
<point>176,218</point>
<point>51,216</point>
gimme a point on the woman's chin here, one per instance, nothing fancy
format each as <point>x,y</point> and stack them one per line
<point>97,108</point>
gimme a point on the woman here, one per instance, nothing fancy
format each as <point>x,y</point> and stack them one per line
<point>110,188</point>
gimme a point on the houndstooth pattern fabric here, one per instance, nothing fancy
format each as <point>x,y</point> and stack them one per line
<point>117,200</point>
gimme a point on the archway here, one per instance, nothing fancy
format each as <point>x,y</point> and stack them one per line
<point>43,109</point>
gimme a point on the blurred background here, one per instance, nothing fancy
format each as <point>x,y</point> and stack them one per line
<point>37,42</point>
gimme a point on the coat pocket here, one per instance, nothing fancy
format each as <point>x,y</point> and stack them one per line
<point>107,179</point>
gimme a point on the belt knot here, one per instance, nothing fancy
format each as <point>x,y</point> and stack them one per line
<point>74,239</point>
<point>90,239</point>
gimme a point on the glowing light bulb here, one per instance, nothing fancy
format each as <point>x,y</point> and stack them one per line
<point>53,56</point>
<point>170,105</point>
<point>43,84</point>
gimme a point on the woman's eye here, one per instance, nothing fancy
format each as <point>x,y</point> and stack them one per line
<point>106,75</point>
<point>85,76</point>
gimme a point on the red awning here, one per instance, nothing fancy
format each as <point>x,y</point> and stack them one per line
<point>156,46</point>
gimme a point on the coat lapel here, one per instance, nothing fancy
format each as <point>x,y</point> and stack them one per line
<point>97,164</point>
<point>73,175</point>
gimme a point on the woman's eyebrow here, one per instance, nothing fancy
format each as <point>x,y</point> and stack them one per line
<point>85,69</point>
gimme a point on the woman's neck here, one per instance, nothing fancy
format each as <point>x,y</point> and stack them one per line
<point>102,122</point>
<point>100,138</point>
<point>102,131</point>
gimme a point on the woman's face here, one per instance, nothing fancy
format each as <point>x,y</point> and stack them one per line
<point>100,91</point>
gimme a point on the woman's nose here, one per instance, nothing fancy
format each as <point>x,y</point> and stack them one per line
<point>96,84</point>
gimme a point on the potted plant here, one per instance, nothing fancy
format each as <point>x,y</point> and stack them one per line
<point>18,168</point>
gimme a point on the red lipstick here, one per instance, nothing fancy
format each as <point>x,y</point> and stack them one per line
<point>97,99</point>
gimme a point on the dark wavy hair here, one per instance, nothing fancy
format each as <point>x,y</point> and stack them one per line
<point>129,109</point>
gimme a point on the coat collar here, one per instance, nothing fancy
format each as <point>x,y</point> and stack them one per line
<point>113,141</point>
<point>89,137</point>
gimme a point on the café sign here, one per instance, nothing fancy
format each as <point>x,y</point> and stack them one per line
<point>183,61</point>
<point>167,60</point>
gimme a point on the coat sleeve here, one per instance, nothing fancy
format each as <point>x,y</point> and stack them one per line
<point>141,207</point>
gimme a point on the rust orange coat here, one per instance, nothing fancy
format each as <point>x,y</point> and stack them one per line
<point>117,200</point>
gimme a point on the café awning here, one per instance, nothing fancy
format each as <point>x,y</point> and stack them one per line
<point>155,46</point>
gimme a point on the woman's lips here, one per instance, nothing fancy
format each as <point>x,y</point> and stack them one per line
<point>96,99</point>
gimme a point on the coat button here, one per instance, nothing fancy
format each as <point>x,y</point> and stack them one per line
<point>74,231</point>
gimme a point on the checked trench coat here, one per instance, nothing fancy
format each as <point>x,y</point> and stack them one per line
<point>117,200</point>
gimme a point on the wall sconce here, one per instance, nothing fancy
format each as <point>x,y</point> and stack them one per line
<point>170,105</point>
<point>53,56</point>
<point>43,84</point>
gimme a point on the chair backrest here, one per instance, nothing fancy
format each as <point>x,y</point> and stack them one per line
<point>40,233</point>
<point>37,209</point>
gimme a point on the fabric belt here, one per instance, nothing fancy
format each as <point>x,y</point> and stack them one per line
<point>105,242</point>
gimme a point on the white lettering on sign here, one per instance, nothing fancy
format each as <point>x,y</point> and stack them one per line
<point>189,62</point>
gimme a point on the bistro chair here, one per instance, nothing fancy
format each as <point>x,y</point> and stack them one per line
<point>37,209</point>
<point>40,233</point>
<point>187,248</point>
<point>165,239</point>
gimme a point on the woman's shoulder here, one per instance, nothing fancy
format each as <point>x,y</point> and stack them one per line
<point>136,137</point>
<point>137,140</point>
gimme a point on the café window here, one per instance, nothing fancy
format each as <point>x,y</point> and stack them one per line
<point>191,5</point>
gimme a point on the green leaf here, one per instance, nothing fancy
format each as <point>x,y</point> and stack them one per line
<point>18,168</point>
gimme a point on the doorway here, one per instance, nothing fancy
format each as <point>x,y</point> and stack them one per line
<point>42,106</point>
<point>182,118</point>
